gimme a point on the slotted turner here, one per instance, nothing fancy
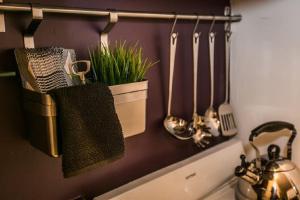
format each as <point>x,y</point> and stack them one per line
<point>228,125</point>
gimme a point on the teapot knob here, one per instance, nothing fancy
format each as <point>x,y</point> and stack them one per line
<point>273,152</point>
<point>243,160</point>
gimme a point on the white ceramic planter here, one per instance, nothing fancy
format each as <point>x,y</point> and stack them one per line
<point>130,103</point>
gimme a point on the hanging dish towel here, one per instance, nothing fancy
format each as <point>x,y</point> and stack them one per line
<point>91,133</point>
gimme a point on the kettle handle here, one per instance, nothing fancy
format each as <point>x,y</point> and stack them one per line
<point>275,126</point>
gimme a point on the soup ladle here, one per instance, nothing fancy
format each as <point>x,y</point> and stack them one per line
<point>174,125</point>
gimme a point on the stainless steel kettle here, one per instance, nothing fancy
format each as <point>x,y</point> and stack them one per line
<point>274,177</point>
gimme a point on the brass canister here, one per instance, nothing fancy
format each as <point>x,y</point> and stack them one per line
<point>40,111</point>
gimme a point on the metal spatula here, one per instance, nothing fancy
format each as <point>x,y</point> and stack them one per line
<point>228,125</point>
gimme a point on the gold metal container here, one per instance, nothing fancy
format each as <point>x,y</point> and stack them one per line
<point>40,111</point>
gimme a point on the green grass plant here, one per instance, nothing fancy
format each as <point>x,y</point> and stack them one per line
<point>120,64</point>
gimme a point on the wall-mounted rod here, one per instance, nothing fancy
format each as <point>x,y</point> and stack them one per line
<point>7,7</point>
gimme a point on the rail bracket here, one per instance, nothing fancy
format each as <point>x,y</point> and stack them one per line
<point>2,20</point>
<point>37,18</point>
<point>113,19</point>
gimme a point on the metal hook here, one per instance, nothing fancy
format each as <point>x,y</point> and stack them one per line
<point>113,19</point>
<point>37,18</point>
<point>211,33</point>
<point>228,34</point>
<point>195,34</point>
<point>227,25</point>
<point>212,24</point>
<point>196,25</point>
<point>174,24</point>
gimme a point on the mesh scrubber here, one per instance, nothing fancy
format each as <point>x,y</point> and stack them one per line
<point>45,66</point>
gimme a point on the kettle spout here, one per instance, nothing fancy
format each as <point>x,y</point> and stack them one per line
<point>247,175</point>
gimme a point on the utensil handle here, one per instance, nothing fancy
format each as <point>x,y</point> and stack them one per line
<point>211,40</point>
<point>173,44</point>
<point>275,126</point>
<point>31,78</point>
<point>227,63</point>
<point>196,37</point>
<point>81,74</point>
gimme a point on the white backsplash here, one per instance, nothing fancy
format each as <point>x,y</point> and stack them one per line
<point>265,65</point>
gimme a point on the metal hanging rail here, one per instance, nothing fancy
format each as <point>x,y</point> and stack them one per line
<point>28,39</point>
<point>7,7</point>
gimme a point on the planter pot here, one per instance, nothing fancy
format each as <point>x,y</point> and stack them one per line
<point>40,112</point>
<point>130,103</point>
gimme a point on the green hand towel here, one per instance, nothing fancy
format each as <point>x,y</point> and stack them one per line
<point>91,134</point>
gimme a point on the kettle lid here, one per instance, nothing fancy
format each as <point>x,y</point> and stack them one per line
<point>277,163</point>
<point>281,165</point>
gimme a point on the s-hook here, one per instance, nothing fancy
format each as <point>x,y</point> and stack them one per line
<point>37,18</point>
<point>113,19</point>
<point>210,32</point>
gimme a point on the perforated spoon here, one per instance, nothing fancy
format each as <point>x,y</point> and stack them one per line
<point>211,117</point>
<point>174,125</point>
<point>197,126</point>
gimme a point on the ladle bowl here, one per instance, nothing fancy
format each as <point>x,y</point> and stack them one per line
<point>177,127</point>
<point>212,121</point>
<point>199,131</point>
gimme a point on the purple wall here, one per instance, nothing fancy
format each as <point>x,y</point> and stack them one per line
<point>26,173</point>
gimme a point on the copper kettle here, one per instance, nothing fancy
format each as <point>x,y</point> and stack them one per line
<point>274,177</point>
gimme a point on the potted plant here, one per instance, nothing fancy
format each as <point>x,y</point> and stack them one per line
<point>123,69</point>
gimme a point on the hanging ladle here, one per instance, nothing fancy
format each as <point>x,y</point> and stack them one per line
<point>197,127</point>
<point>211,117</point>
<point>174,125</point>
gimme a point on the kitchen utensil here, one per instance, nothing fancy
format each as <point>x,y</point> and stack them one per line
<point>276,177</point>
<point>80,72</point>
<point>228,125</point>
<point>174,125</point>
<point>211,117</point>
<point>46,66</point>
<point>42,69</point>
<point>196,126</point>
<point>70,57</point>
